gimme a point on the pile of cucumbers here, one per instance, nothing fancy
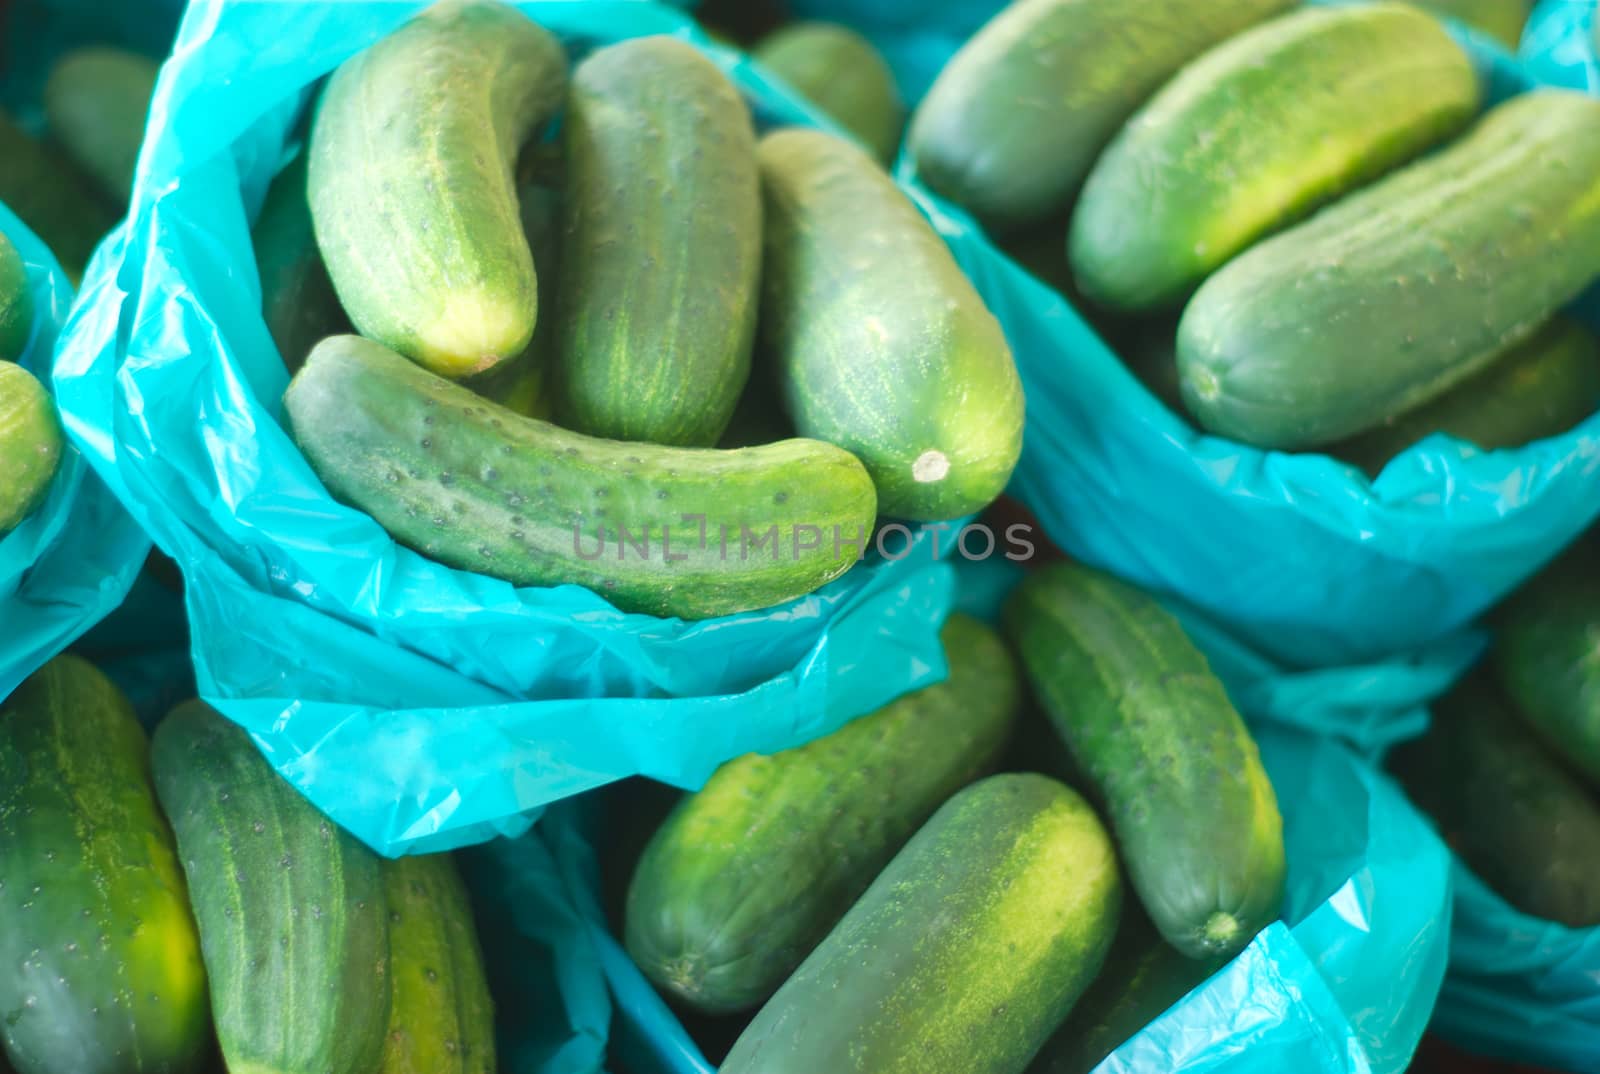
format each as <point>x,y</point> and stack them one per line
<point>885,902</point>
<point>161,902</point>
<point>553,335</point>
<point>1297,221</point>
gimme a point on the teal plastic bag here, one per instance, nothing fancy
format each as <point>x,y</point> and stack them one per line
<point>1561,44</point>
<point>419,706</point>
<point>70,562</point>
<point>1298,555</point>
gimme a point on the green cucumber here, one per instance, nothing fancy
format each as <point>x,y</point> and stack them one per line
<point>291,908</point>
<point>1393,295</point>
<point>1013,123</point>
<point>714,916</point>
<point>102,963</point>
<point>662,253</point>
<point>1151,728</point>
<point>95,102</point>
<point>1518,818</point>
<point>297,297</point>
<point>1538,388</point>
<point>1548,655</point>
<point>1143,977</point>
<point>412,183</point>
<point>441,1019</point>
<point>51,195</point>
<point>689,532</point>
<point>882,345</point>
<point>1500,19</point>
<point>1257,133</point>
<point>16,303</point>
<point>966,951</point>
<point>840,72</point>
<point>30,444</point>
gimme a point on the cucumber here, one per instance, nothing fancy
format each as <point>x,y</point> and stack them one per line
<point>95,102</point>
<point>291,908</point>
<point>297,297</point>
<point>963,955</point>
<point>882,345</point>
<point>1143,977</point>
<point>16,303</point>
<point>1393,295</point>
<point>51,195</point>
<point>1518,818</point>
<point>412,184</point>
<point>841,73</point>
<point>1255,134</point>
<point>714,916</point>
<point>441,1019</point>
<point>690,532</point>
<point>1545,654</point>
<point>30,444</point>
<point>1151,728</point>
<point>102,963</point>
<point>1500,19</point>
<point>662,253</point>
<point>1013,123</point>
<point>1538,388</point>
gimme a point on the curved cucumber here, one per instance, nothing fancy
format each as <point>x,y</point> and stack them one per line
<point>96,101</point>
<point>1537,388</point>
<point>291,908</point>
<point>412,185</point>
<point>840,72</point>
<point>297,297</point>
<point>662,254</point>
<point>441,1019</point>
<point>102,963</point>
<point>1255,134</point>
<point>690,532</point>
<point>1015,120</point>
<point>882,345</point>
<point>966,951</point>
<point>1393,295</point>
<point>1545,655</point>
<point>750,872</point>
<point>1150,726</point>
<point>30,444</point>
<point>16,303</point>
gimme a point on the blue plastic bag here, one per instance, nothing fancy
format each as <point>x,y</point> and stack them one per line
<point>1560,45</point>
<point>71,561</point>
<point>419,706</point>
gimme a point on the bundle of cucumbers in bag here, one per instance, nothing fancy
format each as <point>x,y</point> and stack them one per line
<point>555,336</point>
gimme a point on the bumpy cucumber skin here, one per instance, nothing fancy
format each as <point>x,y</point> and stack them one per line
<point>297,297</point>
<point>30,444</point>
<point>748,874</point>
<point>966,951</point>
<point>840,72</point>
<point>1150,726</point>
<point>1518,818</point>
<point>1500,19</point>
<point>661,259</point>
<point>53,196</point>
<point>1015,120</point>
<point>291,909</point>
<point>103,972</point>
<point>1255,134</point>
<point>1538,388</point>
<point>1143,977</point>
<point>16,303</point>
<point>96,101</point>
<point>1393,295</point>
<point>412,182</point>
<point>1547,654</point>
<point>441,1018</point>
<point>882,345</point>
<point>477,487</point>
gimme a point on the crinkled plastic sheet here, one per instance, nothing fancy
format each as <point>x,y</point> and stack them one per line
<point>419,706</point>
<point>1559,45</point>
<point>71,561</point>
